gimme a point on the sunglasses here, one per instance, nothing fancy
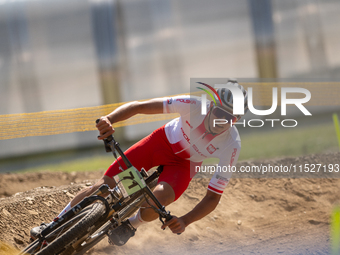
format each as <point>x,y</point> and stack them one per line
<point>220,113</point>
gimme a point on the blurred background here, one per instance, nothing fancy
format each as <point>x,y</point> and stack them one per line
<point>71,54</point>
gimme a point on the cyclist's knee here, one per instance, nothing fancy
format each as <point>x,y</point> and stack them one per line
<point>104,180</point>
<point>164,193</point>
<point>109,181</point>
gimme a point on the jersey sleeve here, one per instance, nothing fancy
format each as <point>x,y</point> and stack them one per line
<point>223,172</point>
<point>182,104</point>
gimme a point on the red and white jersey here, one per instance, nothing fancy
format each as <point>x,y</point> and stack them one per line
<point>190,140</point>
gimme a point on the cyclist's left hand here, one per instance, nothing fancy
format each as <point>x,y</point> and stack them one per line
<point>105,128</point>
<point>176,225</point>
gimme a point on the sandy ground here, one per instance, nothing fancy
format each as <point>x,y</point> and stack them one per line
<point>255,215</point>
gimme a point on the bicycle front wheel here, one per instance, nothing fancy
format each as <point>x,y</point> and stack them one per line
<point>62,244</point>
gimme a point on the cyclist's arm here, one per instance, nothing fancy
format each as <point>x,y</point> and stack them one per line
<point>130,109</point>
<point>125,111</point>
<point>202,209</point>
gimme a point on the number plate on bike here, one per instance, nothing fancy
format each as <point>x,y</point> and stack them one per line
<point>129,181</point>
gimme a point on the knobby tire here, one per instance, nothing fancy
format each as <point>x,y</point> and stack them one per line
<point>36,245</point>
<point>78,230</point>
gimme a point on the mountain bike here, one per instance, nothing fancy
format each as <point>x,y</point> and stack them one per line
<point>88,222</point>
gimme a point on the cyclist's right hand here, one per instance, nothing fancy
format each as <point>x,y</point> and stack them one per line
<point>105,128</point>
<point>176,225</point>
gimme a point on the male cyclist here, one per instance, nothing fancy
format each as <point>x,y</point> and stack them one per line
<point>180,146</point>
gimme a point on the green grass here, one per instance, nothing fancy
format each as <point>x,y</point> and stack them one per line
<point>289,142</point>
<point>258,145</point>
<point>89,164</point>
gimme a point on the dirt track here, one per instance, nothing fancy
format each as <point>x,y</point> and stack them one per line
<point>255,216</point>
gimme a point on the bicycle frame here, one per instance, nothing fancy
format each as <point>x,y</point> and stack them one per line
<point>114,202</point>
<point>111,146</point>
